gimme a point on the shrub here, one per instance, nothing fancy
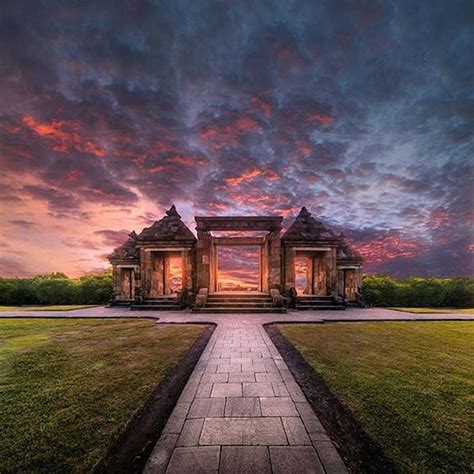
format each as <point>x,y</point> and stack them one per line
<point>55,288</point>
<point>382,290</point>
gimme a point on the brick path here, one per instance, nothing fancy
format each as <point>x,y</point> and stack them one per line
<point>242,412</point>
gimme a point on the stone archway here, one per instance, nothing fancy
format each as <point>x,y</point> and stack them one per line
<point>270,245</point>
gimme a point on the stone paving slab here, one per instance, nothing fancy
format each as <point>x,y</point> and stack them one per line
<point>243,414</point>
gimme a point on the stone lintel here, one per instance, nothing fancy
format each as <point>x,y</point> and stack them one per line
<point>238,240</point>
<point>312,249</point>
<point>269,223</point>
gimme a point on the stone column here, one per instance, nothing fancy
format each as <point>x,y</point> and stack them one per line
<point>203,257</point>
<point>289,270</point>
<point>274,260</point>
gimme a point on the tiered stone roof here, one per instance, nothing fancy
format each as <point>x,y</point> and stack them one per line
<point>347,254</point>
<point>169,229</point>
<point>306,228</point>
<point>128,251</point>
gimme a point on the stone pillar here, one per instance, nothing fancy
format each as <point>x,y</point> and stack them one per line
<point>116,282</point>
<point>166,273</point>
<point>289,267</point>
<point>274,260</point>
<point>203,257</point>
<point>330,270</point>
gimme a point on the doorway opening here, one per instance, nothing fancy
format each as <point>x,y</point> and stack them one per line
<point>166,273</point>
<point>304,275</point>
<point>238,268</point>
<point>127,284</point>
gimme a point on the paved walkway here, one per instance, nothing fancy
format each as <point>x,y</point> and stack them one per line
<point>242,412</point>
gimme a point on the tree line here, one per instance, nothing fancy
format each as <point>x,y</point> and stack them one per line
<point>414,292</point>
<point>57,289</point>
<point>377,290</point>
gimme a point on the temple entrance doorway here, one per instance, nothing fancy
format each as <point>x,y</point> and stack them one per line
<point>127,283</point>
<point>238,268</point>
<point>310,273</point>
<point>166,273</point>
<point>304,275</point>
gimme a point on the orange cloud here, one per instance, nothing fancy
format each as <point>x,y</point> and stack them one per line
<point>221,136</point>
<point>252,173</point>
<point>64,135</point>
<point>388,248</point>
<point>323,119</point>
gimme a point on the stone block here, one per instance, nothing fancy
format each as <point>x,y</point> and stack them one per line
<point>295,431</point>
<point>295,459</point>
<point>262,389</point>
<point>242,407</point>
<point>207,408</point>
<point>278,406</point>
<point>243,431</point>
<point>245,460</point>
<point>190,433</point>
<point>227,390</point>
<point>198,460</point>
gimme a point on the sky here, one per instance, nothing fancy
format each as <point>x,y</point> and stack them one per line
<point>111,111</point>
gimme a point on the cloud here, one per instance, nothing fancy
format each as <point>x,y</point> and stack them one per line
<point>115,111</point>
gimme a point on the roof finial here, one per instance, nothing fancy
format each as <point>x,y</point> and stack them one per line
<point>133,235</point>
<point>172,211</point>
<point>304,212</point>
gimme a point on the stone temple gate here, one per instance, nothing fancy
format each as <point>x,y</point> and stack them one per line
<point>166,266</point>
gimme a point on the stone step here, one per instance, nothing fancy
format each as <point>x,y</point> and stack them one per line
<point>122,303</point>
<point>329,307</point>
<point>239,300</point>
<point>232,304</point>
<point>238,297</point>
<point>154,307</point>
<point>314,298</point>
<point>315,303</point>
<point>232,310</point>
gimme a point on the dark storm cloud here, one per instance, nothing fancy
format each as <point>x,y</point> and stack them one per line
<point>362,111</point>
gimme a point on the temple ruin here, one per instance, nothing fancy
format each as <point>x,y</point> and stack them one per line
<point>167,267</point>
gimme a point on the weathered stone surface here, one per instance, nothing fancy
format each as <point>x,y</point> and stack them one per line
<point>295,431</point>
<point>202,460</point>
<point>330,458</point>
<point>278,406</point>
<point>297,459</point>
<point>190,433</point>
<point>159,459</point>
<point>207,408</point>
<point>227,390</point>
<point>242,407</point>
<point>258,389</point>
<point>245,460</point>
<point>243,431</point>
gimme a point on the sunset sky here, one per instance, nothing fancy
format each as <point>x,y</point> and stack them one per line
<point>362,111</point>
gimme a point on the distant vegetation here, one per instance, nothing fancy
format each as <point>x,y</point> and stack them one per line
<point>56,289</point>
<point>378,290</point>
<point>413,292</point>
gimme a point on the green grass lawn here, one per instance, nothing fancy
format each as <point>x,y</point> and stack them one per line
<point>411,385</point>
<point>67,387</point>
<point>436,310</point>
<point>68,307</point>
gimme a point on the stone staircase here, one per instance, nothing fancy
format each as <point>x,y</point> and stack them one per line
<point>121,303</point>
<point>239,303</point>
<point>162,303</point>
<point>317,303</point>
